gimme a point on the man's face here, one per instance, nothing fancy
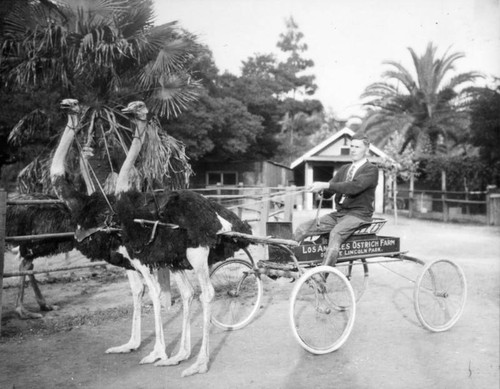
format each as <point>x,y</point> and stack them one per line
<point>358,150</point>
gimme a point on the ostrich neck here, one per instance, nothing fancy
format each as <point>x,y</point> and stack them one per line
<point>123,182</point>
<point>57,168</point>
<point>61,185</point>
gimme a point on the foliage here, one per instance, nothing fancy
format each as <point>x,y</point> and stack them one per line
<point>288,72</point>
<point>104,53</point>
<point>429,107</point>
<point>297,134</point>
<point>101,49</point>
<point>401,163</point>
<point>217,129</point>
<point>485,128</point>
<point>462,173</point>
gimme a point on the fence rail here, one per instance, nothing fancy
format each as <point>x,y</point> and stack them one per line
<point>461,205</point>
<point>261,203</point>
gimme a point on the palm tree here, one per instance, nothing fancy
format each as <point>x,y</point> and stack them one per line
<point>105,48</point>
<point>106,53</point>
<point>431,109</point>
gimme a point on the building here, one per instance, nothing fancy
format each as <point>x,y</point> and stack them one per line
<point>323,161</point>
<point>263,173</point>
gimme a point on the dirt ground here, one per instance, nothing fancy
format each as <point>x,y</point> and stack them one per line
<point>387,348</point>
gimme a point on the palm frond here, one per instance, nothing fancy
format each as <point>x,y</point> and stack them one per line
<point>30,128</point>
<point>163,161</point>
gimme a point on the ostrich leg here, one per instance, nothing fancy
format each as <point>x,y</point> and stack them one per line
<point>20,309</point>
<point>154,292</point>
<point>187,293</point>
<point>198,258</point>
<point>38,295</point>
<point>138,289</point>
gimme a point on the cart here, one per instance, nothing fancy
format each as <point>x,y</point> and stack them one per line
<point>323,300</point>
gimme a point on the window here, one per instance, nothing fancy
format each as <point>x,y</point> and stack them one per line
<point>345,151</point>
<point>222,178</point>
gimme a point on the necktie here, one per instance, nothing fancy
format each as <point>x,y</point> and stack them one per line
<point>350,176</point>
<point>350,173</point>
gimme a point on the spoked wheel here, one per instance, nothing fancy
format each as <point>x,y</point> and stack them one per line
<point>238,293</point>
<point>439,295</point>
<point>322,312</point>
<point>357,274</point>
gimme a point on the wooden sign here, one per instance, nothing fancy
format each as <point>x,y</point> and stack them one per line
<point>355,247</point>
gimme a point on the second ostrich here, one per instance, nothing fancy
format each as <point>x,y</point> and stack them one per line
<point>194,245</point>
<point>32,220</point>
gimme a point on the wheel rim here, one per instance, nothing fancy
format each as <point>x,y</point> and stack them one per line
<point>322,316</point>
<point>238,292</point>
<point>440,295</point>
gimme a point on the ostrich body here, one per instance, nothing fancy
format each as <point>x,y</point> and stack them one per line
<point>194,245</point>
<point>33,220</point>
<point>95,237</point>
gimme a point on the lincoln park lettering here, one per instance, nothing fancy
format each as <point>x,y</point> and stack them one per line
<point>351,248</point>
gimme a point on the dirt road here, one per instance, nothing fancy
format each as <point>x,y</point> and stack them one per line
<point>387,348</point>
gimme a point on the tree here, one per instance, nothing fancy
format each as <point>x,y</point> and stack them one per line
<point>219,129</point>
<point>105,53</point>
<point>401,164</point>
<point>430,106</point>
<point>99,49</point>
<point>485,128</point>
<point>288,72</point>
<point>270,88</point>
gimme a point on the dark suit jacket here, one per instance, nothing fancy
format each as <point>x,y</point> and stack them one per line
<point>360,192</point>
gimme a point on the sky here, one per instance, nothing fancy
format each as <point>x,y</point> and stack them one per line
<point>348,40</point>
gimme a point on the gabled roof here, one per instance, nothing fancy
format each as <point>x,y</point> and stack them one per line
<point>312,154</point>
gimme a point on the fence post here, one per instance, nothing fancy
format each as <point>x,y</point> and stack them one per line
<point>410,196</point>
<point>289,197</point>
<point>264,214</point>
<point>3,212</point>
<point>443,196</point>
<point>240,201</point>
<point>219,192</point>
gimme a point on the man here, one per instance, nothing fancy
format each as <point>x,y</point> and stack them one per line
<point>354,188</point>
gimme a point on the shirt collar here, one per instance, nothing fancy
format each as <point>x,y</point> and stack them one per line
<point>359,163</point>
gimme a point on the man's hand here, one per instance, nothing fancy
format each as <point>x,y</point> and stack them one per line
<point>319,186</point>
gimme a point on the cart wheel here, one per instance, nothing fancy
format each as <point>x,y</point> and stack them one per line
<point>238,293</point>
<point>322,312</point>
<point>357,275</point>
<point>439,295</point>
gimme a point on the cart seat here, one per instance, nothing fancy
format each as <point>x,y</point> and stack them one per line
<point>370,228</point>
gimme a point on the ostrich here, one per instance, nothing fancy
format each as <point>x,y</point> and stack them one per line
<point>33,220</point>
<point>98,240</point>
<point>194,245</point>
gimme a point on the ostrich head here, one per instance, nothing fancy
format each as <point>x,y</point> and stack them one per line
<point>137,108</point>
<point>71,105</point>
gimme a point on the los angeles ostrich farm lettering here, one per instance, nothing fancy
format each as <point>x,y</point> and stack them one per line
<point>351,248</point>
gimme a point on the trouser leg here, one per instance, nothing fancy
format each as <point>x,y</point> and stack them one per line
<point>333,249</point>
<point>344,228</point>
<point>326,223</point>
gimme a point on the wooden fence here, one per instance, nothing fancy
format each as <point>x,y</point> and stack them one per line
<point>477,206</point>
<point>252,204</point>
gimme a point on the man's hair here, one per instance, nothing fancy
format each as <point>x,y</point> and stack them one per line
<point>363,137</point>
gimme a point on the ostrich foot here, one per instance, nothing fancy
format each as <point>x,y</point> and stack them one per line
<point>47,308</point>
<point>200,367</point>
<point>175,360</point>
<point>25,314</point>
<point>154,356</point>
<point>123,349</point>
